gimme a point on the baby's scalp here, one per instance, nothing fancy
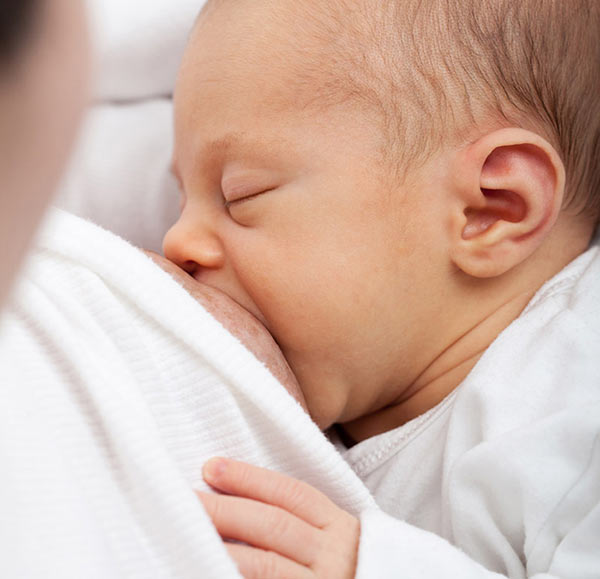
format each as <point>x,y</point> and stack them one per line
<point>440,72</point>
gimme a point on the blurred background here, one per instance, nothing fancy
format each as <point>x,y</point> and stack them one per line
<point>119,175</point>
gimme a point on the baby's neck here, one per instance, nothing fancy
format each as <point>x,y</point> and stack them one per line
<point>443,375</point>
<point>491,306</point>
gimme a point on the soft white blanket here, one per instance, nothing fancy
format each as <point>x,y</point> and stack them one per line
<point>115,387</point>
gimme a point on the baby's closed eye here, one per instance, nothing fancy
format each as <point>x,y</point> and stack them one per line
<point>242,197</point>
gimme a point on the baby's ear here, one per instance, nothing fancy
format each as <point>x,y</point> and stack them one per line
<point>509,189</point>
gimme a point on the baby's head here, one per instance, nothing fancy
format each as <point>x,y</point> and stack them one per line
<point>373,179</point>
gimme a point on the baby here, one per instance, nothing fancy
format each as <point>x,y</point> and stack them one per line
<point>386,186</point>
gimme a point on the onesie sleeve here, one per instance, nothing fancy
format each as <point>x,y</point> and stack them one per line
<point>390,548</point>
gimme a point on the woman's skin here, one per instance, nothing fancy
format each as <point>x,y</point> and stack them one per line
<point>241,323</point>
<point>43,92</point>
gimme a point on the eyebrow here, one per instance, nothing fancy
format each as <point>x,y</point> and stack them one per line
<point>211,150</point>
<point>219,148</point>
<point>241,142</point>
<point>224,144</point>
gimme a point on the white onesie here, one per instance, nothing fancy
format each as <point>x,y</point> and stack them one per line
<point>502,477</point>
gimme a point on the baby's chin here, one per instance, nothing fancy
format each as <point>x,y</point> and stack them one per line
<point>240,322</point>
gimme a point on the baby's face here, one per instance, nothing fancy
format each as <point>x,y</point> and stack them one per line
<point>284,209</point>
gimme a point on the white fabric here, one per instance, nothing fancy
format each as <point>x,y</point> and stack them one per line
<point>504,475</point>
<point>116,387</point>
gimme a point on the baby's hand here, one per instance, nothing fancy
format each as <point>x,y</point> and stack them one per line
<point>290,529</point>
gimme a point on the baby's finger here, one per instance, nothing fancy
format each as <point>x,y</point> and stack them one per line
<point>258,564</point>
<point>263,526</point>
<point>294,496</point>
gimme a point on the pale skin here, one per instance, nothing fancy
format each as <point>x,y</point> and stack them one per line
<point>239,322</point>
<point>42,98</point>
<point>381,300</point>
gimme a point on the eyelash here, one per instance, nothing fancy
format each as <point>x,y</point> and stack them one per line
<point>240,200</point>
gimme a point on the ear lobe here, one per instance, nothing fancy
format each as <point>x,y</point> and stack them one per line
<point>510,200</point>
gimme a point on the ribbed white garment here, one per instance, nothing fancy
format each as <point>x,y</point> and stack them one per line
<point>115,388</point>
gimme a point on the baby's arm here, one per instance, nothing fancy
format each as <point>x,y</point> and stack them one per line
<point>292,530</point>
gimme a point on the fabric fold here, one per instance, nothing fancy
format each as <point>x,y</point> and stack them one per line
<point>116,388</point>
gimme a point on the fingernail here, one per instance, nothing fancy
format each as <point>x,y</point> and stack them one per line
<point>214,468</point>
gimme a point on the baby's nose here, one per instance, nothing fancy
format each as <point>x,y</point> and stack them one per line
<point>193,248</point>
